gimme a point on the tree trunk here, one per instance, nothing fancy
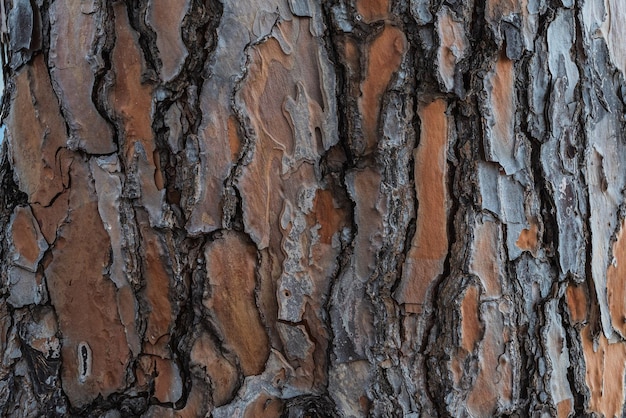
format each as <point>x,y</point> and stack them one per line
<point>303,208</point>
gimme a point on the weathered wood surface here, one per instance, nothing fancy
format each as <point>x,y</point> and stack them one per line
<point>304,208</point>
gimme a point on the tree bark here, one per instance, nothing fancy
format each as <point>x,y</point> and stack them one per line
<point>301,208</point>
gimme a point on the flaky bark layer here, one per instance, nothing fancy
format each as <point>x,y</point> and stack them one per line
<point>303,208</point>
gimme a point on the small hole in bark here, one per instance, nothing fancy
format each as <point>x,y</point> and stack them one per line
<point>84,361</point>
<point>467,81</point>
<point>287,293</point>
<point>318,138</point>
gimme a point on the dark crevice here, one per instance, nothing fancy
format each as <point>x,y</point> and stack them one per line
<point>549,237</point>
<point>10,197</point>
<point>332,42</point>
<point>198,33</point>
<point>310,406</point>
<point>103,75</point>
<point>137,11</point>
<point>462,188</point>
<point>574,372</point>
<point>199,36</point>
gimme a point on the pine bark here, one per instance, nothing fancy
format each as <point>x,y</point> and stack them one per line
<point>409,208</point>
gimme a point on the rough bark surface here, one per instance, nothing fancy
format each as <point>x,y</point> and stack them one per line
<point>313,208</point>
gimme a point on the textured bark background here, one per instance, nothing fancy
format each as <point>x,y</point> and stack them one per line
<point>303,208</point>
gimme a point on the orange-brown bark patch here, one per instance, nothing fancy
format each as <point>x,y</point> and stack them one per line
<point>166,19</point>
<point>161,375</point>
<point>485,257</point>
<point>95,350</point>
<point>233,138</point>
<point>529,239</point>
<point>564,408</point>
<point>222,373</point>
<point>36,132</point>
<point>265,406</point>
<point>289,113</point>
<point>74,32</point>
<point>494,384</point>
<point>231,263</point>
<point>577,302</point>
<point>616,289</point>
<point>167,381</point>
<point>471,327</point>
<point>495,10</point>
<point>51,217</point>
<point>269,84</point>
<point>456,367</point>
<point>430,242</point>
<point>269,269</point>
<point>157,287</point>
<point>503,107</point>
<point>25,235</point>
<point>327,215</point>
<point>452,47</point>
<point>159,180</point>
<point>283,93</point>
<point>198,401</point>
<point>371,10</point>
<point>131,99</point>
<point>604,373</point>
<point>384,57</point>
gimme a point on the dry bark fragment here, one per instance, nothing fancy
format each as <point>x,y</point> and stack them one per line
<point>221,372</point>
<point>384,55</point>
<point>26,247</point>
<point>557,351</point>
<point>487,257</point>
<point>606,17</point>
<point>76,34</point>
<point>605,367</point>
<point>157,288</point>
<point>501,145</point>
<point>166,20</point>
<point>493,388</point>
<point>286,210</point>
<point>231,263</point>
<point>577,299</point>
<point>28,244</point>
<point>130,98</point>
<point>95,352</point>
<point>615,284</point>
<point>452,48</point>
<point>38,130</point>
<point>162,376</point>
<point>430,242</point>
<point>472,329</point>
<point>371,10</point>
<point>236,29</point>
<point>353,322</point>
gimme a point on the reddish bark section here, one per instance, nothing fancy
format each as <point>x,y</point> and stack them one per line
<point>430,243</point>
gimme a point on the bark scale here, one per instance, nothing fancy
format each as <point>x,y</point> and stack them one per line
<point>303,208</point>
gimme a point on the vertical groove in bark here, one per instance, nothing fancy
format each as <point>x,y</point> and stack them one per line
<point>293,208</point>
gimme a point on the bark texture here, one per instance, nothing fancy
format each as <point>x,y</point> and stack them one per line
<point>313,208</point>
